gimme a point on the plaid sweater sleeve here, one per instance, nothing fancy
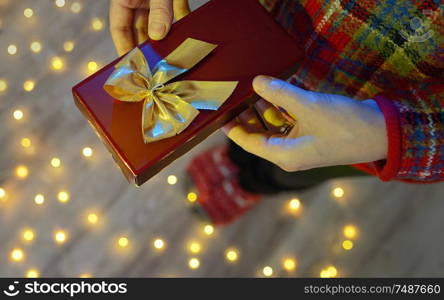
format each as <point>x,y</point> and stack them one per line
<point>389,51</point>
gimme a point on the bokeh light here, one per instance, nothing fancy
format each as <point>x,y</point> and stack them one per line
<point>289,264</point>
<point>192,197</point>
<point>29,85</point>
<point>97,24</point>
<point>3,85</point>
<point>92,218</point>
<point>68,46</point>
<point>87,152</point>
<point>21,172</point>
<point>159,244</point>
<point>57,63</point>
<point>172,179</point>
<point>60,236</point>
<point>76,7</point>
<point>18,114</point>
<point>12,49</point>
<point>267,271</point>
<point>32,273</point>
<point>350,231</point>
<point>232,254</point>
<point>347,245</point>
<point>338,192</point>
<point>28,235</point>
<point>208,229</point>
<point>36,47</point>
<point>25,142</point>
<point>56,162</point>
<point>194,263</point>
<point>123,242</point>
<point>28,12</point>
<point>60,3</point>
<point>17,255</point>
<point>63,196</point>
<point>39,199</point>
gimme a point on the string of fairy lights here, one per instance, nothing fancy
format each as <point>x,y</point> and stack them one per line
<point>194,247</point>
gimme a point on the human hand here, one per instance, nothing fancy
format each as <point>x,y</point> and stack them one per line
<point>329,129</point>
<point>132,21</point>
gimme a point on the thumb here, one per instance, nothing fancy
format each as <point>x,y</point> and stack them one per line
<point>281,94</point>
<point>160,18</point>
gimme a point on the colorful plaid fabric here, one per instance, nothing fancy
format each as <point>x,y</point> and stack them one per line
<point>391,51</point>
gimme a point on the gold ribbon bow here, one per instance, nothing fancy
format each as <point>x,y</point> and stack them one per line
<point>168,108</point>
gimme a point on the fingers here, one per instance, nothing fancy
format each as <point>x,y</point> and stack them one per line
<point>181,8</point>
<point>121,25</point>
<point>255,143</point>
<point>141,24</point>
<point>282,94</point>
<point>160,18</point>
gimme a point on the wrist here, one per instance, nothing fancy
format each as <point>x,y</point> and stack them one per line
<point>378,129</point>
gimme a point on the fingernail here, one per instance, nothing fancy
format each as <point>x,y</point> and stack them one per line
<point>273,117</point>
<point>157,30</point>
<point>261,82</point>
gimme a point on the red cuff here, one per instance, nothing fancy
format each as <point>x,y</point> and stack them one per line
<point>387,169</point>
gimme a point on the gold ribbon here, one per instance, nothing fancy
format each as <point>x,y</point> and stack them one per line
<point>168,108</point>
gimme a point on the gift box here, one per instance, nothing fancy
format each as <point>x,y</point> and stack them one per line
<point>244,41</point>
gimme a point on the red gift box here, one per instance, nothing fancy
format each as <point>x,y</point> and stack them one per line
<point>249,43</point>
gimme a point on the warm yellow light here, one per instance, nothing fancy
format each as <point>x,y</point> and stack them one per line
<point>21,172</point>
<point>3,85</point>
<point>87,152</point>
<point>172,179</point>
<point>25,142</point>
<point>32,273</point>
<point>347,245</point>
<point>289,264</point>
<point>332,271</point>
<point>123,242</point>
<point>294,204</point>
<point>17,255</point>
<point>329,272</point>
<point>60,236</point>
<point>92,218</point>
<point>350,231</point>
<point>267,271</point>
<point>39,199</point>
<point>192,197</point>
<point>28,235</point>
<point>194,247</point>
<point>92,66</point>
<point>194,263</point>
<point>85,275</point>
<point>76,7</point>
<point>60,3</point>
<point>56,162</point>
<point>2,193</point>
<point>28,12</point>
<point>17,114</point>
<point>63,196</point>
<point>57,63</point>
<point>68,46</point>
<point>96,24</point>
<point>28,85</point>
<point>232,254</point>
<point>338,192</point>
<point>36,47</point>
<point>159,244</point>
<point>209,229</point>
<point>12,49</point>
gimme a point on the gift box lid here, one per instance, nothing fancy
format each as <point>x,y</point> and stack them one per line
<point>249,43</point>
